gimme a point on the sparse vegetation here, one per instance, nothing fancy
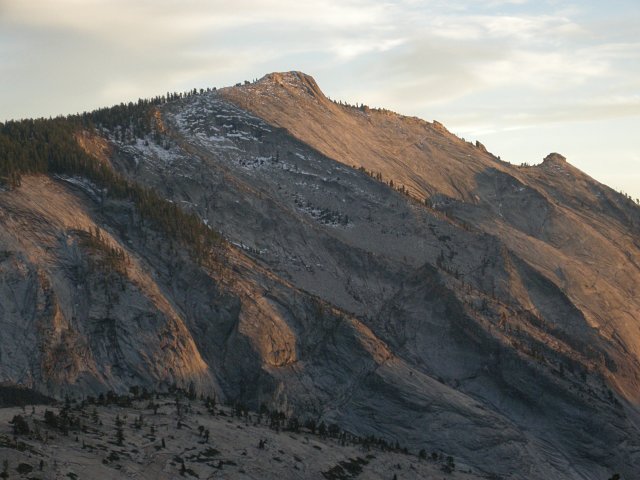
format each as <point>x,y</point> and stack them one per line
<point>105,256</point>
<point>115,444</point>
<point>481,304</point>
<point>49,146</point>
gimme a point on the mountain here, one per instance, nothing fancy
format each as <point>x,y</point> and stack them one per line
<point>269,246</point>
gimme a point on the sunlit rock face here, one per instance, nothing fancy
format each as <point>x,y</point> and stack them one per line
<point>379,273</point>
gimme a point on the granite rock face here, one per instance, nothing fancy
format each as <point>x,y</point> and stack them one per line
<point>485,310</point>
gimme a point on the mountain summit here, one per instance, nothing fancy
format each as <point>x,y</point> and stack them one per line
<point>294,82</point>
<point>333,263</point>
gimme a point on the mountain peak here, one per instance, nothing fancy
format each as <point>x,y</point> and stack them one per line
<point>446,299</point>
<point>555,158</point>
<point>293,80</point>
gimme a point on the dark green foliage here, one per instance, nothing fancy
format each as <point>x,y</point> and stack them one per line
<point>210,405</point>
<point>65,421</point>
<point>49,146</point>
<point>112,398</point>
<point>16,396</point>
<point>310,424</point>
<point>138,422</point>
<point>334,430</point>
<point>293,424</point>
<point>45,146</point>
<point>127,119</point>
<point>20,425</point>
<point>119,436</point>
<point>105,256</point>
<point>449,465</point>
<point>24,468</point>
<point>277,420</point>
<point>51,419</point>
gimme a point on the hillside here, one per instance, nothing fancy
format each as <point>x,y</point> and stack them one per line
<point>222,241</point>
<point>580,235</point>
<point>171,436</point>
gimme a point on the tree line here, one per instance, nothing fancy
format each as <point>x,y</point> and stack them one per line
<point>49,146</point>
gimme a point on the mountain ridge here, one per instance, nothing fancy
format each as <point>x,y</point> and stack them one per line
<point>552,171</point>
<point>445,310</point>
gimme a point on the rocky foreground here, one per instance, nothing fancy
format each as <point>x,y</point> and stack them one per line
<point>172,436</point>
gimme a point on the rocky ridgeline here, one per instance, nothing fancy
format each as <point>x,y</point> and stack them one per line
<point>343,264</point>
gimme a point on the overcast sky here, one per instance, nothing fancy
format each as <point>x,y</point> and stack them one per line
<point>524,77</point>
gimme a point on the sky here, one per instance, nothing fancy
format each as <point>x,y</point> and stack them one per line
<point>525,77</point>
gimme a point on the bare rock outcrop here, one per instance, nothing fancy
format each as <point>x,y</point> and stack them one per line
<point>432,295</point>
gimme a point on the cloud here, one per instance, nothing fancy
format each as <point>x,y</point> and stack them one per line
<point>497,120</point>
<point>531,28</point>
<point>486,66</point>
<point>168,19</point>
<point>424,49</point>
<point>139,48</point>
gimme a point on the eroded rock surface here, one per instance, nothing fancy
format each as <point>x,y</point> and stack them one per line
<point>486,310</point>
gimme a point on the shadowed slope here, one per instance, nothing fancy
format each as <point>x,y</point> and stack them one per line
<point>86,305</point>
<point>423,156</point>
<point>578,233</point>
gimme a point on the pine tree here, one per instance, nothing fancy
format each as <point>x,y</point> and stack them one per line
<point>119,431</point>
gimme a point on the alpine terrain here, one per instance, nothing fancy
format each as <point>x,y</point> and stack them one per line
<point>286,254</point>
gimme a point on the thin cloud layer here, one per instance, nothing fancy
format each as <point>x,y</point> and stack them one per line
<point>486,69</point>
